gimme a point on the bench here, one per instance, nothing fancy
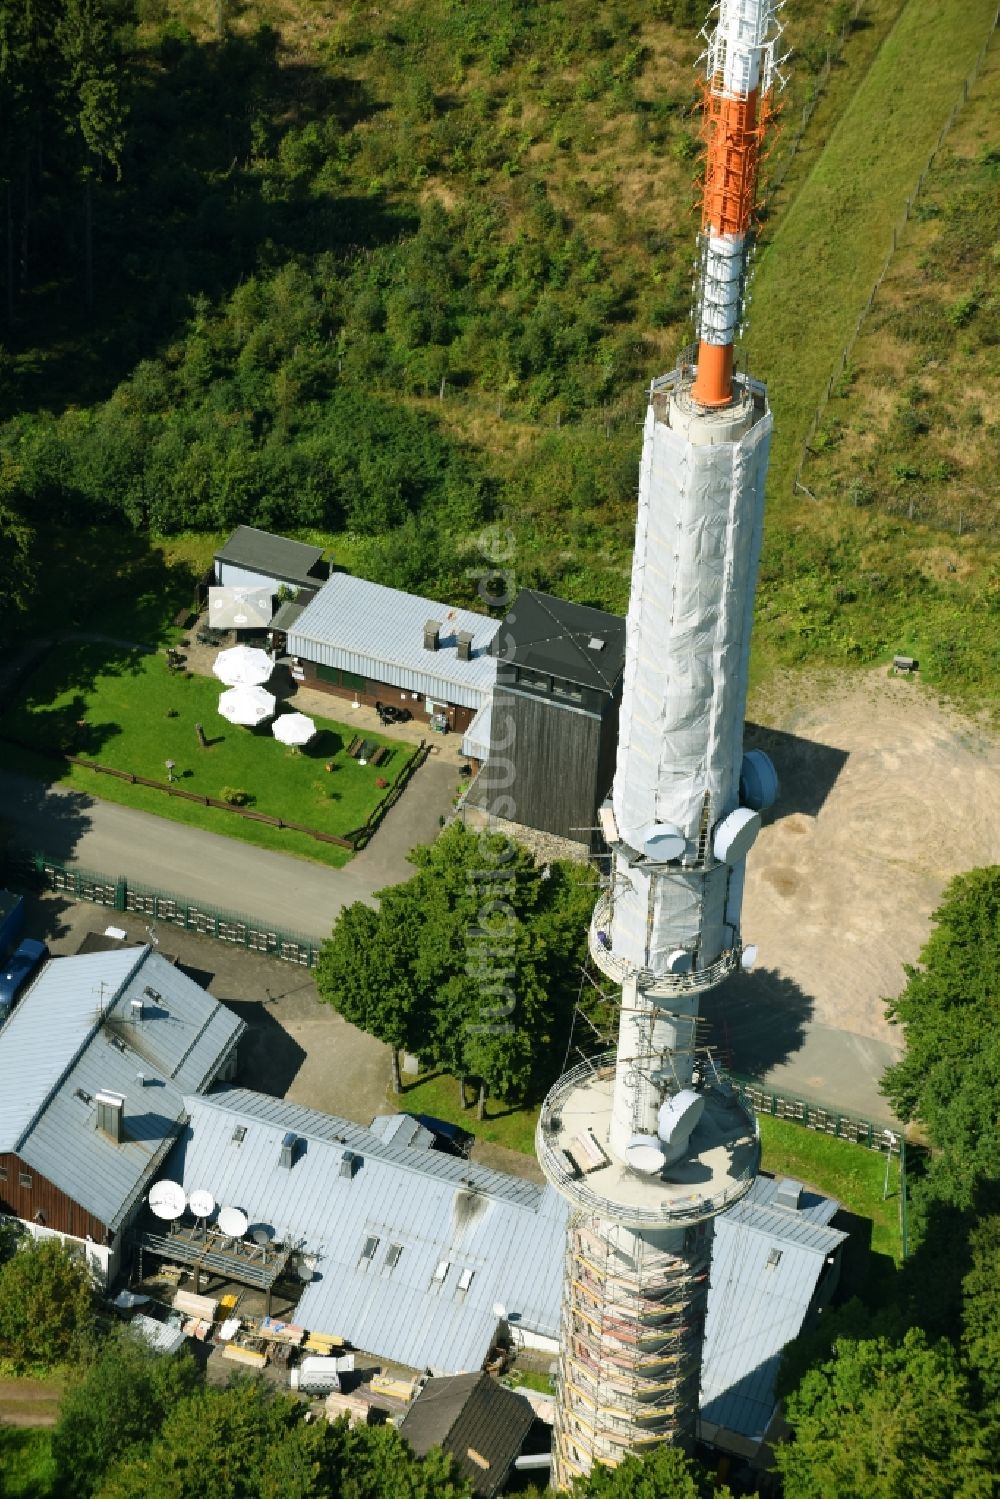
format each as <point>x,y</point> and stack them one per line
<point>905,663</point>
<point>380,756</point>
<point>353,749</point>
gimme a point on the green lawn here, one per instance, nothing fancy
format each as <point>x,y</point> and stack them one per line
<point>138,715</point>
<point>437,1094</point>
<point>853,1174</point>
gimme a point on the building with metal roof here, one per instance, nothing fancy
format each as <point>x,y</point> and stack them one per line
<point>95,1061</point>
<point>775,1265</point>
<point>252,558</point>
<point>552,726</point>
<point>402,1129</point>
<point>358,639</point>
<point>480,1424</point>
<point>420,1255</point>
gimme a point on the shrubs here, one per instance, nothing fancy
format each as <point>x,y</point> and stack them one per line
<point>235,796</point>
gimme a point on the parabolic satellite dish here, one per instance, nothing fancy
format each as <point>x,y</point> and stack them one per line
<point>748,957</point>
<point>201,1203</point>
<point>644,1153</point>
<point>167,1200</point>
<point>233,1222</point>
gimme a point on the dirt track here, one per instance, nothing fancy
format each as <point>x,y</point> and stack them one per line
<point>886,794</point>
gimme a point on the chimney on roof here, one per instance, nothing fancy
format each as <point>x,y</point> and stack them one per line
<point>432,635</point>
<point>464,642</point>
<point>288,1147</point>
<point>110,1111</point>
<point>788,1194</point>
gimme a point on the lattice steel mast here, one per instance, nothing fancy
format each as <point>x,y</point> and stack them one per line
<point>649,1143</point>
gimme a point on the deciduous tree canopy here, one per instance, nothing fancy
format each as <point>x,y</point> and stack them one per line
<point>45,1303</point>
<point>473,963</point>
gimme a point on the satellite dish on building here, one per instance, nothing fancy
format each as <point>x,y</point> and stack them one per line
<point>663,841</point>
<point>679,961</point>
<point>167,1200</point>
<point>679,1115</point>
<point>759,786</point>
<point>748,956</point>
<point>262,1234</point>
<point>735,835</point>
<point>499,1310</point>
<point>306,1267</point>
<point>233,1221</point>
<point>644,1153</point>
<point>201,1203</point>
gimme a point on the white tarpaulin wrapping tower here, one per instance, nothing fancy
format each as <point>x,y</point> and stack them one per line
<point>649,1143</point>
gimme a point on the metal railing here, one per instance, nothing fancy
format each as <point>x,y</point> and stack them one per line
<point>118,893</point>
<point>619,970</point>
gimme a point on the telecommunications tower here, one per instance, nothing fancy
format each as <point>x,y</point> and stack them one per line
<point>649,1143</point>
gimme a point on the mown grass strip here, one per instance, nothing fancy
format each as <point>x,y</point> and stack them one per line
<point>815,275</point>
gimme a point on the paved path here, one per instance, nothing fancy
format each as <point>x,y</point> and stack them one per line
<point>295,894</point>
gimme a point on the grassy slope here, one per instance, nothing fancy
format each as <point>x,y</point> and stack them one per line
<point>125,702</point>
<point>824,255</point>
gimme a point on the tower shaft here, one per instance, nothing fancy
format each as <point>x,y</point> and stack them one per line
<point>648,1143</point>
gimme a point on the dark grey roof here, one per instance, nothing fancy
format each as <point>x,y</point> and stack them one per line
<point>74,1033</point>
<point>272,556</point>
<point>470,1412</point>
<point>552,635</point>
<point>289,611</point>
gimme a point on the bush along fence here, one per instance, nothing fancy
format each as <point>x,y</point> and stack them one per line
<point>897,234</point>
<point>39,871</point>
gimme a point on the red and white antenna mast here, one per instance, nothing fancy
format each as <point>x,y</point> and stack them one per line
<point>740,73</point>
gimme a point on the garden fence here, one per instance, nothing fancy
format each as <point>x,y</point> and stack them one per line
<point>119,893</point>
<point>828,1120</point>
<point>896,238</point>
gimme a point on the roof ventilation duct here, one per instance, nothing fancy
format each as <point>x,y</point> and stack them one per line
<point>289,1146</point>
<point>788,1194</point>
<point>432,635</point>
<point>463,640</point>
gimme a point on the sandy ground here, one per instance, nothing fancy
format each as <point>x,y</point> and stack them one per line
<point>886,794</point>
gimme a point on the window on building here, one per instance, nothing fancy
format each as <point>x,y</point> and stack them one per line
<point>441,1271</point>
<point>369,1247</point>
<point>24,1179</point>
<point>392,1255</point>
<point>773,1258</point>
<point>534,680</point>
<point>239,1134</point>
<point>465,1279</point>
<point>3,1173</point>
<point>568,691</point>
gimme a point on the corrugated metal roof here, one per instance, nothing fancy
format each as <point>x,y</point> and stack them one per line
<point>273,556</point>
<point>499,1237</point>
<point>53,1021</point>
<point>477,737</point>
<point>378,632</point>
<point>71,1041</point>
<point>402,1129</point>
<point>766,1264</point>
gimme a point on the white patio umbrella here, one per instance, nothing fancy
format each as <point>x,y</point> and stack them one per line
<point>243,666</point>
<point>293,728</point>
<point>247,705</point>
